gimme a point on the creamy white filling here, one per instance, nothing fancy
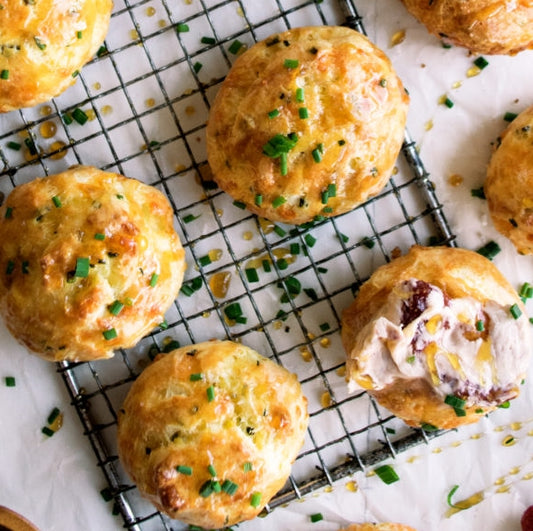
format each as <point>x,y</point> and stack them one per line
<point>447,345</point>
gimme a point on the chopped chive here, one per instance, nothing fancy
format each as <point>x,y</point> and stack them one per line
<point>283,164</point>
<point>204,260</point>
<point>99,236</point>
<point>82,267</point>
<point>455,401</point>
<point>76,73</point>
<point>210,392</point>
<point>509,116</point>
<point>57,201</point>
<point>489,250</point>
<point>106,494</point>
<point>258,200</point>
<point>80,116</point>
<point>247,467</point>
<point>382,82</point>
<point>303,113</point>
<point>25,265</point>
<point>317,155</point>
<point>516,312</point>
<point>267,268</point>
<point>279,231</point>
<point>294,249</point>
<point>332,190</point>
<point>40,44</point>
<point>47,431</point>
<point>300,98</point>
<point>278,201</point>
<point>208,40</point>
<point>239,204</point>
<point>153,280</point>
<point>196,377</point>
<point>170,346</point>
<point>343,237</point>
<point>212,471</point>
<point>186,290</point>
<point>387,474</point>
<point>525,290</point>
<point>233,310</point>
<point>109,334</point>
<point>505,405</point>
<point>282,264</point>
<point>196,283</point>
<point>4,74</point>
<point>101,51</point>
<point>316,517</point>
<point>341,142</point>
<point>15,146</point>
<point>291,63</point>
<point>279,144</point>
<point>327,210</point>
<point>10,267</point>
<point>79,34</point>
<point>215,485</point>
<point>478,192</point>
<point>428,427</point>
<point>67,118</point>
<point>10,381</point>
<point>30,144</point>
<point>163,325</point>
<point>182,28</point>
<point>324,327</point>
<point>251,274</point>
<point>9,213</point>
<point>53,415</point>
<point>189,217</point>
<point>322,269</point>
<point>115,308</point>
<point>450,495</point>
<point>273,113</point>
<point>311,293</point>
<point>197,67</point>
<point>185,470</point>
<point>293,285</point>
<point>229,487</point>
<point>481,62</point>
<point>310,240</point>
<point>255,499</point>
<point>480,326</point>
<point>235,46</point>
<point>410,359</point>
<point>513,222</point>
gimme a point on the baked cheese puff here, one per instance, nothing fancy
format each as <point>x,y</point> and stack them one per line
<point>482,26</point>
<point>308,123</point>
<point>44,44</point>
<point>438,336</point>
<point>89,263</point>
<point>209,432</point>
<point>509,184</point>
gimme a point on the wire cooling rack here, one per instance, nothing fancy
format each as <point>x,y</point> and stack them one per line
<point>143,102</point>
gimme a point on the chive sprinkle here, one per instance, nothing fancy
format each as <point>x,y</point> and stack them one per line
<point>279,231</point>
<point>25,265</point>
<point>255,499</point>
<point>182,28</point>
<point>303,113</point>
<point>291,63</point>
<point>4,74</point>
<point>489,250</point>
<point>15,146</point>
<point>153,280</point>
<point>115,308</point>
<point>516,312</point>
<point>283,164</point>
<point>273,113</point>
<point>40,44</point>
<point>509,116</point>
<point>294,248</point>
<point>204,260</point>
<point>196,377</point>
<point>53,415</point>
<point>300,98</point>
<point>82,267</point>
<point>278,201</point>
<point>478,192</point>
<point>79,34</point>
<point>109,334</point>
<point>185,470</point>
<point>212,471</point>
<point>505,405</point>
<point>229,487</point>
<point>10,267</point>
<point>266,266</point>
<point>99,236</point>
<point>332,190</point>
<point>47,431</point>
<point>247,467</point>
<point>206,489</point>
<point>387,474</point>
<point>208,40</point>
<point>233,310</point>
<point>56,201</point>
<point>258,200</point>
<point>210,393</point>
<point>251,274</point>
<point>455,401</point>
<point>325,197</point>
<point>197,67</point>
<point>310,240</point>
<point>450,495</point>
<point>448,102</point>
<point>480,326</point>
<point>316,517</point>
<point>9,213</point>
<point>235,46</point>
<point>10,381</point>
<point>80,116</point>
<point>282,264</point>
<point>317,155</point>
<point>481,62</point>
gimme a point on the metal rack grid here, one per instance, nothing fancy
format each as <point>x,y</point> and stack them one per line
<point>147,96</point>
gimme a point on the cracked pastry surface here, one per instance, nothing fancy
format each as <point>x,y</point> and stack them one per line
<point>482,26</point>
<point>509,184</point>
<point>44,43</point>
<point>438,336</point>
<point>89,262</point>
<point>212,458</point>
<point>307,123</point>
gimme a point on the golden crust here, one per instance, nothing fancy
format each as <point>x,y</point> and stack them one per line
<point>356,107</point>
<point>385,526</point>
<point>482,26</point>
<point>61,316</point>
<point>258,416</point>
<point>509,184</point>
<point>43,43</point>
<point>458,273</point>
